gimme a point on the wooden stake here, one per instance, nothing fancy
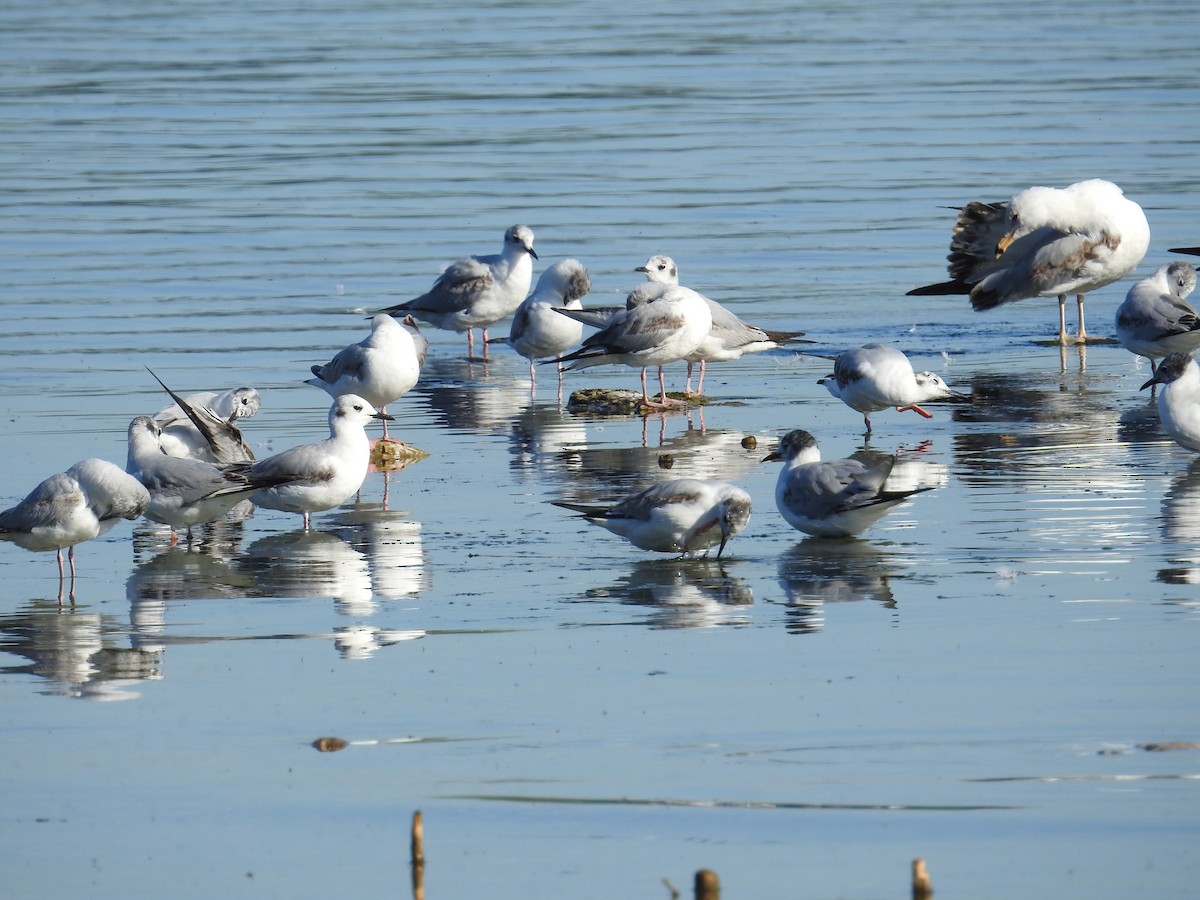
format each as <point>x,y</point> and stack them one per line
<point>922,887</point>
<point>708,885</point>
<point>418,857</point>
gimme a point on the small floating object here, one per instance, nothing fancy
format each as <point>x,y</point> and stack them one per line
<point>330,744</point>
<point>666,461</point>
<point>749,442</point>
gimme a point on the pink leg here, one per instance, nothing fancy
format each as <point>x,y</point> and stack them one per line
<point>485,340</point>
<point>700,383</point>
<point>470,343</point>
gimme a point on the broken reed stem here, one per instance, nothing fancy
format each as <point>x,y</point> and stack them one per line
<point>922,887</point>
<point>708,885</point>
<point>418,857</point>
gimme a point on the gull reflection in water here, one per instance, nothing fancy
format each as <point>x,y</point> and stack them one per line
<point>463,396</point>
<point>546,440</point>
<point>683,593</point>
<point>819,571</point>
<point>74,650</point>
<point>1181,528</point>
<point>393,547</point>
<point>310,564</point>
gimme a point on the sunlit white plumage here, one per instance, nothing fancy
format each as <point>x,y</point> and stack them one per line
<point>1179,399</point>
<point>684,515</point>
<point>325,474</point>
<point>381,368</point>
<point>477,291</point>
<point>537,330</point>
<point>662,330</point>
<point>838,498</point>
<point>1045,242</point>
<point>875,376</point>
<point>77,505</point>
<point>1155,319</point>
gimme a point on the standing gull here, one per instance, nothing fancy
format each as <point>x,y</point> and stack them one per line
<point>1044,242</point>
<point>1155,321</point>
<point>660,331</point>
<point>381,368</point>
<point>71,507</point>
<point>874,376</point>
<point>838,498</point>
<point>1179,399</point>
<point>320,476</point>
<point>538,331</point>
<point>685,515</point>
<point>729,337</point>
<point>478,291</point>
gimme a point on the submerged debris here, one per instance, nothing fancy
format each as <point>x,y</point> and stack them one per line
<point>605,402</point>
<point>330,744</point>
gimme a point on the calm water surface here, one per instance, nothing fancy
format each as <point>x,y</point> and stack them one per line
<point>220,194</point>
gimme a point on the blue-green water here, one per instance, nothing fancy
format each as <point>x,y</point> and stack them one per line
<point>219,193</point>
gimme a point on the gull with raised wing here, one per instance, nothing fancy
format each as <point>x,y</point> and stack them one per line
<point>191,429</point>
<point>1155,319</point>
<point>875,376</point>
<point>1044,242</point>
<point>539,329</point>
<point>320,476</point>
<point>685,516</point>
<point>381,368</point>
<point>660,331</point>
<point>72,507</point>
<point>1179,399</point>
<point>185,492</point>
<point>477,291</point>
<point>203,425</point>
<point>838,498</point>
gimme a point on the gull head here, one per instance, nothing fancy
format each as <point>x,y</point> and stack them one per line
<point>796,445</point>
<point>661,269</point>
<point>520,236</point>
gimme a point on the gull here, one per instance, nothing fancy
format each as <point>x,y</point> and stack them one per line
<point>1044,242</point>
<point>185,492</point>
<point>838,498</point>
<point>320,476</point>
<point>875,376</point>
<point>660,331</point>
<point>538,330</point>
<point>1179,400</point>
<point>191,428</point>
<point>478,291</point>
<point>71,507</point>
<point>381,368</point>
<point>729,337</point>
<point>685,515</point>
<point>1155,321</point>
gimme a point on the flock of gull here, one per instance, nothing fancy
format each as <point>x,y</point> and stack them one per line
<point>188,465</point>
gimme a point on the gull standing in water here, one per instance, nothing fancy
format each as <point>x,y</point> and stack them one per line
<point>1155,321</point>
<point>1179,399</point>
<point>538,330</point>
<point>660,331</point>
<point>1044,242</point>
<point>320,476</point>
<point>875,376</point>
<point>381,368</point>
<point>185,492</point>
<point>729,337</point>
<point>477,291</point>
<point>71,507</point>
<point>685,515</point>
<point>838,498</point>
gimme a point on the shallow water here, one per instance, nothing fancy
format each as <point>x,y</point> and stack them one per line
<point>220,194</point>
